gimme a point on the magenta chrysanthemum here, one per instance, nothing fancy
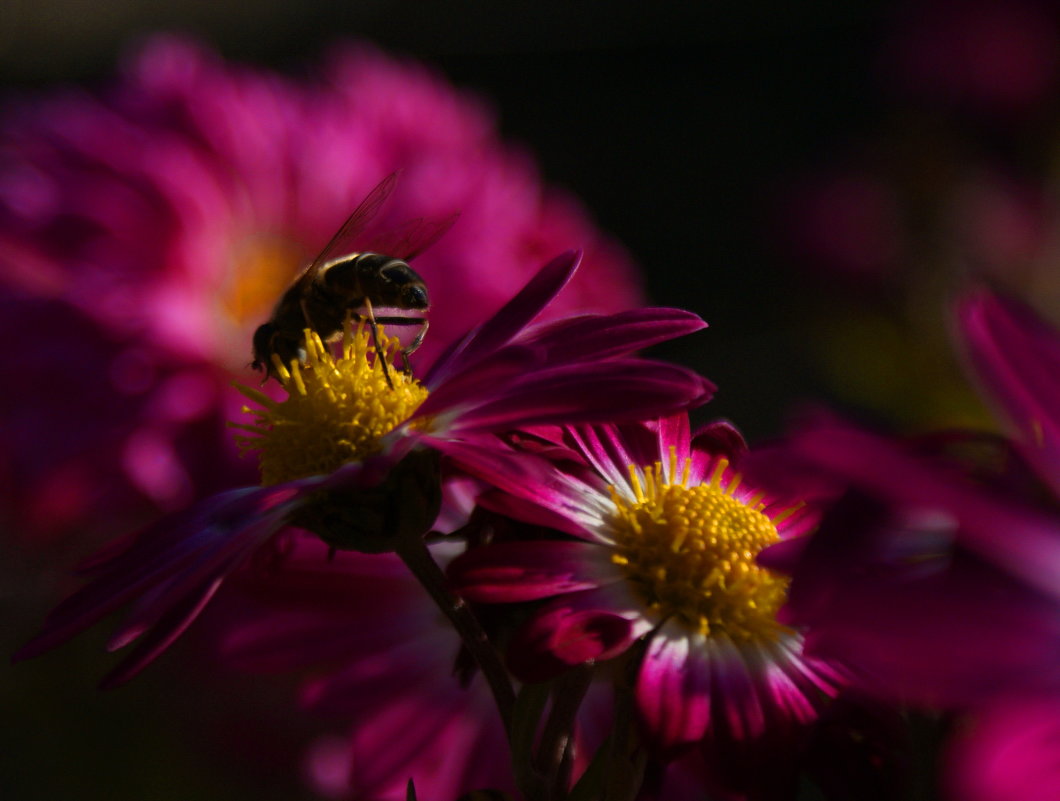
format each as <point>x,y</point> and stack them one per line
<point>147,229</point>
<point>503,374</point>
<point>667,536</point>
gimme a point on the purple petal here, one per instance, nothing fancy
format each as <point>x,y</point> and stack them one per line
<point>608,336</point>
<point>1017,359</point>
<point>1020,540</point>
<point>607,449</point>
<point>620,389</point>
<point>526,571</point>
<point>673,432</point>
<point>531,479</point>
<point>574,629</point>
<point>741,714</point>
<point>1009,752</point>
<point>673,690</point>
<point>952,638</point>
<point>519,508</point>
<point>168,628</point>
<point>720,437</point>
<point>182,555</point>
<point>508,321</point>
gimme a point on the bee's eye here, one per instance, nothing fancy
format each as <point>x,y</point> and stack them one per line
<point>416,298</point>
<point>397,274</point>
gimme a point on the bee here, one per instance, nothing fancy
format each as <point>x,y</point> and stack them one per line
<point>345,283</point>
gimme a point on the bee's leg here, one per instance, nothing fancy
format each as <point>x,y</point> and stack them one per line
<point>305,315</point>
<point>374,328</point>
<point>416,342</point>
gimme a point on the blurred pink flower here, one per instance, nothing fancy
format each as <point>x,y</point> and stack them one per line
<point>385,658</point>
<point>1000,227</point>
<point>147,229</point>
<point>993,56</point>
<point>1008,752</point>
<point>846,223</point>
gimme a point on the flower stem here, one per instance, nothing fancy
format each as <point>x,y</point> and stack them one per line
<point>414,553</point>
<point>557,748</point>
<point>625,772</point>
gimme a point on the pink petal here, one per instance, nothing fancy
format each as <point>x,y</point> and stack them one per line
<point>526,571</point>
<point>508,321</point>
<point>574,629</point>
<point>596,337</point>
<point>1017,359</point>
<point>673,689</point>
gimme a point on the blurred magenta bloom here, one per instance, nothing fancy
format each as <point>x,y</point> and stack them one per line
<point>147,229</point>
<point>663,534</point>
<point>951,552</point>
<point>1008,751</point>
<point>997,57</point>
<point>923,578</point>
<point>846,223</point>
<point>1016,357</point>
<point>383,661</point>
<point>502,375</point>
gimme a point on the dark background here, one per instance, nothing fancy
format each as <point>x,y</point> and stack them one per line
<point>676,124</point>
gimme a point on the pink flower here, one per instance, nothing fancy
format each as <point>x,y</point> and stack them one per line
<point>950,546</point>
<point>992,56</point>
<point>846,224</point>
<point>933,573</point>
<point>147,230</point>
<point>663,535</point>
<point>355,458</point>
<point>1007,751</point>
<point>926,578</point>
<point>1015,356</point>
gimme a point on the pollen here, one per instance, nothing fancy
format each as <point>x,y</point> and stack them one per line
<point>689,552</point>
<point>338,408</point>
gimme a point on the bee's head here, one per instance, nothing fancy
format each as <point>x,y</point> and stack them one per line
<point>403,287</point>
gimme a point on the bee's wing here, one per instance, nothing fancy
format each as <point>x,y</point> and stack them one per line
<point>343,241</point>
<point>412,238</point>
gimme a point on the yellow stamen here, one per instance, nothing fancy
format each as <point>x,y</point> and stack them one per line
<point>337,409</point>
<point>689,552</point>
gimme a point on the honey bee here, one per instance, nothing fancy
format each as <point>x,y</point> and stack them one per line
<point>345,282</point>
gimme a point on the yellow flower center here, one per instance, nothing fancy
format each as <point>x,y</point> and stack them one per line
<point>337,408</point>
<point>689,552</point>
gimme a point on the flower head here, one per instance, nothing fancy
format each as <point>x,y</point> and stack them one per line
<point>153,225</point>
<point>503,374</point>
<point>666,538</point>
<point>337,410</point>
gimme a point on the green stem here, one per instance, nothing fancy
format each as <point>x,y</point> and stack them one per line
<point>625,772</point>
<point>414,553</point>
<point>556,748</point>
